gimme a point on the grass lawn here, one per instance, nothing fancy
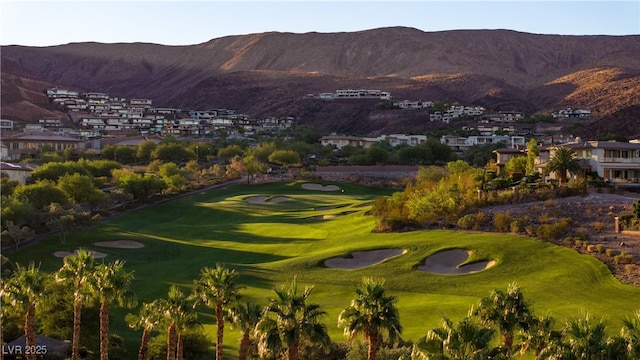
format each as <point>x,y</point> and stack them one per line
<point>270,242</point>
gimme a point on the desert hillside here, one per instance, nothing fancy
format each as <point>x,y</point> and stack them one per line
<point>267,74</point>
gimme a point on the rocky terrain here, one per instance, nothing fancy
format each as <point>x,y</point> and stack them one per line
<point>269,74</point>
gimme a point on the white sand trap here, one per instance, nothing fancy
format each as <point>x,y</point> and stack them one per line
<point>120,244</point>
<point>265,199</point>
<point>448,262</point>
<point>96,254</point>
<point>308,186</point>
<point>361,259</point>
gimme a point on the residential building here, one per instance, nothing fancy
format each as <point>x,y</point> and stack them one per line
<point>30,143</point>
<point>611,160</point>
<point>340,141</point>
<point>462,144</point>
<point>6,125</point>
<point>17,172</point>
<point>572,113</point>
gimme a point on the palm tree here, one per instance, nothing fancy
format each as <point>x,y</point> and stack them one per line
<point>540,337</point>
<point>245,317</point>
<point>178,313</point>
<point>111,284</point>
<point>563,160</point>
<point>216,288</point>
<point>372,313</point>
<point>465,340</point>
<point>586,339</point>
<point>631,333</point>
<point>508,311</point>
<point>147,319</point>
<point>77,270</point>
<point>25,289</point>
<point>287,320</point>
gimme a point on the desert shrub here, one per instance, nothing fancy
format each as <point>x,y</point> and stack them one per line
<point>530,230</point>
<point>574,188</point>
<point>550,203</point>
<point>623,259</point>
<point>600,248</point>
<point>469,221</point>
<point>516,226</point>
<point>554,231</point>
<point>598,226</point>
<point>630,268</point>
<point>502,221</point>
<point>611,252</point>
<point>544,218</point>
<point>591,248</point>
<point>582,233</point>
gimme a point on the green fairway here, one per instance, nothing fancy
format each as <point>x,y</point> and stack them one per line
<point>271,241</point>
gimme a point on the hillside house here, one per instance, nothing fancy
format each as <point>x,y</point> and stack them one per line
<point>613,161</point>
<point>25,144</point>
<point>18,172</point>
<point>462,144</point>
<point>340,141</point>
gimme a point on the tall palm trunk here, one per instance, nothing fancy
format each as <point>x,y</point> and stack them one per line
<point>171,342</point>
<point>507,340</point>
<point>293,351</point>
<point>179,350</point>
<point>75,344</point>
<point>372,338</point>
<point>244,346</point>
<point>30,330</point>
<point>220,330</point>
<point>104,330</point>
<point>144,344</point>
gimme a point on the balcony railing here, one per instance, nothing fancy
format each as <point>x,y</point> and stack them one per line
<point>620,160</point>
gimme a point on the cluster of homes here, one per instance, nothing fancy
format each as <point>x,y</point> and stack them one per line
<point>353,94</point>
<point>613,161</point>
<point>99,114</point>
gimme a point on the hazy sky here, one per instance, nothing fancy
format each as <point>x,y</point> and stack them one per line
<point>49,22</point>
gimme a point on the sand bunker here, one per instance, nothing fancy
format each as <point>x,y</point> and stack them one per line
<point>96,254</point>
<point>265,199</point>
<point>319,187</point>
<point>120,244</point>
<point>361,259</point>
<point>448,262</point>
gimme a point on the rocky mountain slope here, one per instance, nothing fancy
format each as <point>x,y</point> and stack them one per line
<point>270,73</point>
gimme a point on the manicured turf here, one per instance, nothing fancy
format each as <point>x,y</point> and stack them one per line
<point>269,243</point>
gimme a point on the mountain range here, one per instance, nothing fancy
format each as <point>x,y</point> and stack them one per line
<point>269,74</point>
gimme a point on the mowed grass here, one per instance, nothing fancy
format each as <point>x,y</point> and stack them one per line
<point>271,242</point>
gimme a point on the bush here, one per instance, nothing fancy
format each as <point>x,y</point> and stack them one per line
<point>630,268</point>
<point>582,233</point>
<point>623,259</point>
<point>516,226</point>
<point>577,243</point>
<point>600,248</point>
<point>530,230</point>
<point>502,222</point>
<point>469,221</point>
<point>585,244</point>
<point>611,252</point>
<point>554,231</point>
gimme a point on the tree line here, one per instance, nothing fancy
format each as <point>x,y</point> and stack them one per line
<point>290,326</point>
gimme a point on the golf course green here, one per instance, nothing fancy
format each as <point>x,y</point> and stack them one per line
<point>291,231</point>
